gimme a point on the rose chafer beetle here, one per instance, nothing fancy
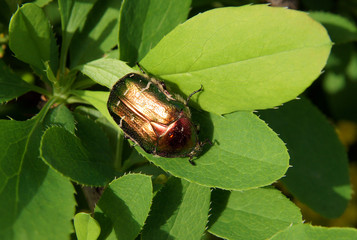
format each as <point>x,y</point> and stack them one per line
<point>151,117</point>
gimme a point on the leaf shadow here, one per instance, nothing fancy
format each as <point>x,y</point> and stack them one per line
<point>165,204</point>
<point>115,216</point>
<point>219,200</point>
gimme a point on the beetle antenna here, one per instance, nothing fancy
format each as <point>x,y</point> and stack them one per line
<point>141,69</point>
<point>189,97</point>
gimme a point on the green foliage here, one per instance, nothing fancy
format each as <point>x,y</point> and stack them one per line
<point>32,195</point>
<point>340,29</point>
<point>211,54</point>
<point>88,152</point>
<point>143,23</point>
<point>246,58</point>
<point>239,158</point>
<point>11,85</point>
<point>253,214</point>
<point>306,232</point>
<point>305,130</point>
<point>124,206</point>
<point>105,71</point>
<point>87,228</point>
<point>31,39</point>
<point>98,35</point>
<point>188,204</point>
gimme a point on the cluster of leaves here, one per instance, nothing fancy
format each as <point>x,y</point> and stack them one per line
<point>247,58</point>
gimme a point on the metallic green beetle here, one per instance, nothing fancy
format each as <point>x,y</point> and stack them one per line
<point>150,116</point>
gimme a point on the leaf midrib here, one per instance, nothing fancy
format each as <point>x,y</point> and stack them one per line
<point>38,119</point>
<point>244,60</point>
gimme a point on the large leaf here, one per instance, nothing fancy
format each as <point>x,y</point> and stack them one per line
<point>105,71</point>
<point>245,154</point>
<point>124,206</point>
<point>144,22</point>
<point>36,202</point>
<point>85,158</point>
<point>253,214</point>
<point>319,174</point>
<point>308,232</point>
<point>250,57</point>
<point>11,86</point>
<point>99,34</point>
<point>179,211</point>
<point>31,38</point>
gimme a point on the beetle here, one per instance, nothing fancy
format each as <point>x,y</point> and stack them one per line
<point>159,122</point>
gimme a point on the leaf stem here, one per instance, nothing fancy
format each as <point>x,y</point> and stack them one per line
<point>47,106</point>
<point>118,158</point>
<point>63,58</point>
<point>40,90</point>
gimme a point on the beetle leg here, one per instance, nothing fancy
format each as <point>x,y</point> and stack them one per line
<point>191,161</point>
<point>146,88</point>
<point>121,121</point>
<point>162,86</point>
<point>206,141</point>
<point>189,97</point>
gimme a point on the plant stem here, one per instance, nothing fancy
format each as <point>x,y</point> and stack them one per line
<point>63,57</point>
<point>47,106</point>
<point>118,158</point>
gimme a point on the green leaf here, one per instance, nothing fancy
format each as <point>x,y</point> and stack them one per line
<point>32,40</point>
<point>242,69</point>
<point>36,202</point>
<point>143,23</point>
<point>340,29</point>
<point>61,116</point>
<point>85,158</point>
<point>113,132</point>
<point>308,232</point>
<point>42,3</point>
<point>98,99</point>
<point>319,174</point>
<point>245,154</point>
<point>73,15</point>
<point>99,34</point>
<point>124,206</point>
<point>179,211</point>
<point>87,228</point>
<point>105,71</point>
<point>253,214</point>
<point>11,86</point>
